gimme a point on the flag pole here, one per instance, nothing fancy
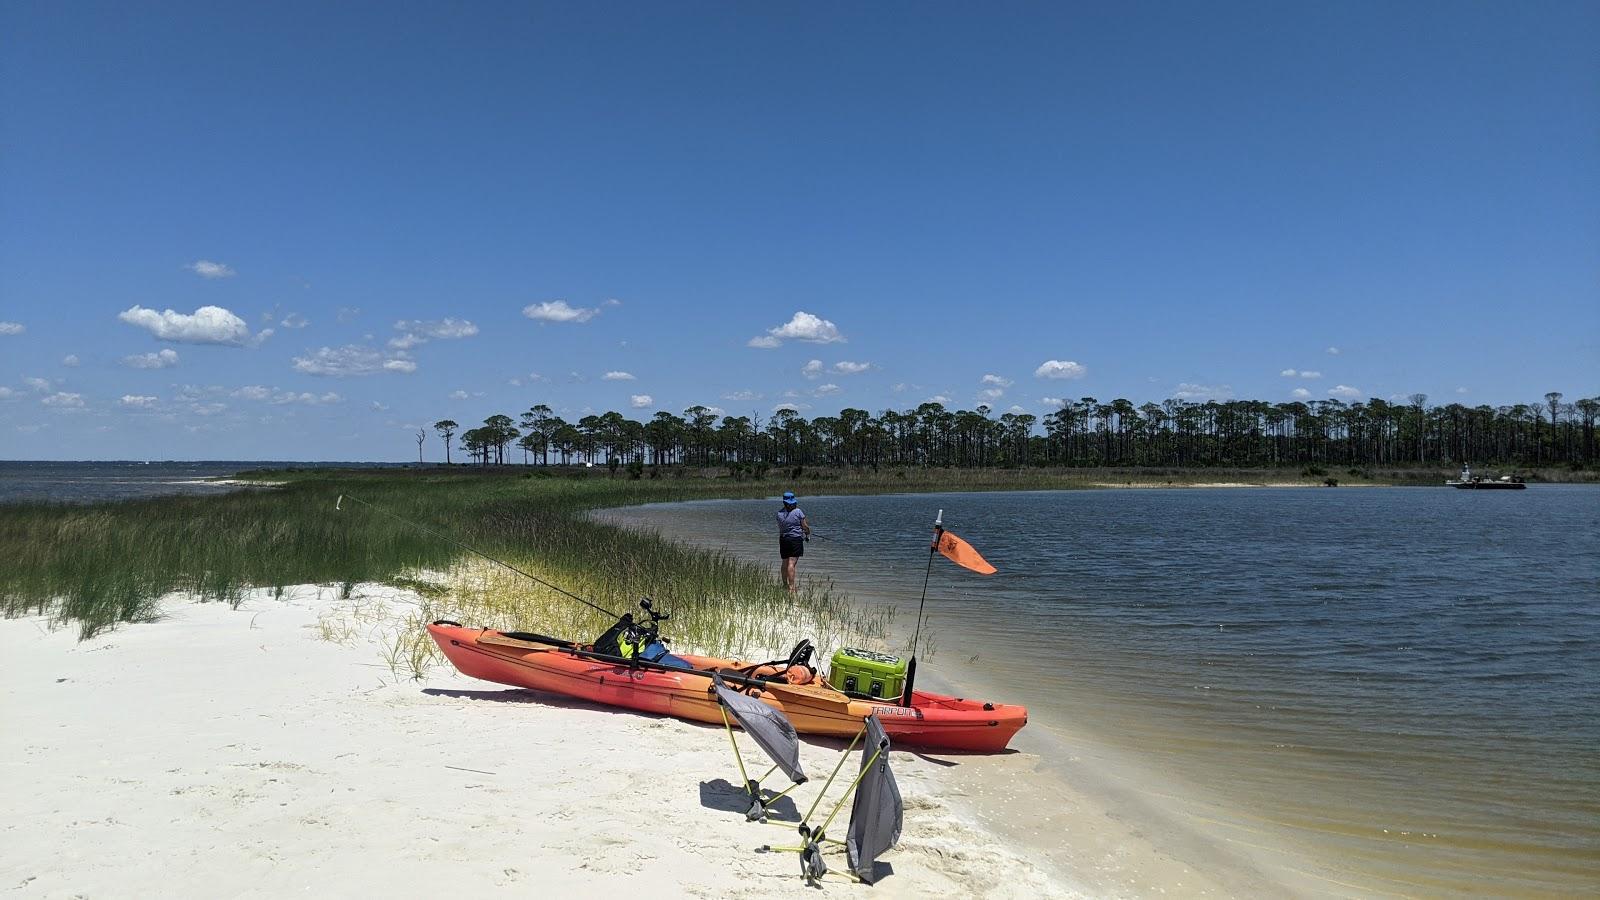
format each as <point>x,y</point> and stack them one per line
<point>911,669</point>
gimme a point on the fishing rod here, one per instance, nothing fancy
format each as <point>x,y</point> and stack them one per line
<point>911,668</point>
<point>445,537</point>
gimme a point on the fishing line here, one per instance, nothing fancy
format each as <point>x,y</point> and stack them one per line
<point>444,537</point>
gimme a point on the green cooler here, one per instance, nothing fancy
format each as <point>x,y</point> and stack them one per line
<point>868,674</point>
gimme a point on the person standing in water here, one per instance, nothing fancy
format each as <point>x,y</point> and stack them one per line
<point>793,532</point>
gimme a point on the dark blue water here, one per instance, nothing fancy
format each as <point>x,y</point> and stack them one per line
<point>1399,689</point>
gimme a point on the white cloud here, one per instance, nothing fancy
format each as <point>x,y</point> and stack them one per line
<point>6,393</point>
<point>195,392</point>
<point>992,393</point>
<point>1053,402</point>
<point>806,327</point>
<point>12,328</point>
<point>1345,392</point>
<point>205,268</point>
<point>825,390</point>
<point>263,394</point>
<point>346,313</point>
<point>294,320</point>
<point>617,376</point>
<point>417,331</point>
<point>792,407</point>
<point>1333,351</point>
<point>559,311</point>
<point>379,407</point>
<point>996,381</point>
<point>1290,373</point>
<point>1190,391</point>
<point>305,398</point>
<point>741,395</point>
<point>641,401</point>
<point>1300,393</point>
<point>70,360</point>
<point>38,384</point>
<point>459,395</point>
<point>1059,368</point>
<point>812,369</point>
<point>937,398</point>
<point>1307,373</point>
<point>165,359</point>
<point>138,401</point>
<point>802,327</point>
<point>207,325</point>
<point>844,367</point>
<point>63,400</point>
<point>1461,390</point>
<point>900,387</point>
<point>352,359</point>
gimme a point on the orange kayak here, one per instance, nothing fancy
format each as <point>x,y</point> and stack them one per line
<point>932,720</point>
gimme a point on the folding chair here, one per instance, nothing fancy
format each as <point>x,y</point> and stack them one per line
<point>876,815</point>
<point>772,732</point>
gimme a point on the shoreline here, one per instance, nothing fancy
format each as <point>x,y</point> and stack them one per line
<point>272,760</point>
<point>1259,800</point>
<point>1126,832</point>
<point>1071,799</point>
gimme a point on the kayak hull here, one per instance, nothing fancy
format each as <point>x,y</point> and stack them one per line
<point>932,721</point>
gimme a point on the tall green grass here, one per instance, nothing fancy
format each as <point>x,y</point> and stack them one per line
<point>97,565</point>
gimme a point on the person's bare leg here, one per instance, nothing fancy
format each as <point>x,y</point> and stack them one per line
<point>789,576</point>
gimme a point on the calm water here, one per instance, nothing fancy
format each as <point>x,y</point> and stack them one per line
<point>1390,691</point>
<point>83,482</point>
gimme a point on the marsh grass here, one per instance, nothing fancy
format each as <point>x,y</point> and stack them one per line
<point>95,566</point>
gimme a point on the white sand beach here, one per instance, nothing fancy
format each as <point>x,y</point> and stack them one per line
<point>221,752</point>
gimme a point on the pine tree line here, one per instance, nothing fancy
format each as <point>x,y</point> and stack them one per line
<point>1086,432</point>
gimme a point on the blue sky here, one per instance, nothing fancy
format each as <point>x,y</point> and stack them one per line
<point>1128,200</point>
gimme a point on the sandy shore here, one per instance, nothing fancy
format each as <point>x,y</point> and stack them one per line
<point>225,752</point>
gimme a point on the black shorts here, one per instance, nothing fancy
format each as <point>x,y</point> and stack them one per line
<point>791,547</point>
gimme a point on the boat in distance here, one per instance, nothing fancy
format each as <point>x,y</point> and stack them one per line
<point>1470,482</point>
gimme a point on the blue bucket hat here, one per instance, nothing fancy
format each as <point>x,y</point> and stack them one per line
<point>788,496</point>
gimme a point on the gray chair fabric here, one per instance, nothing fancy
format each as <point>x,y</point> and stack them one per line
<point>878,812</point>
<point>766,726</point>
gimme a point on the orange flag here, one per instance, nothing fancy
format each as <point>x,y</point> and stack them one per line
<point>961,553</point>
